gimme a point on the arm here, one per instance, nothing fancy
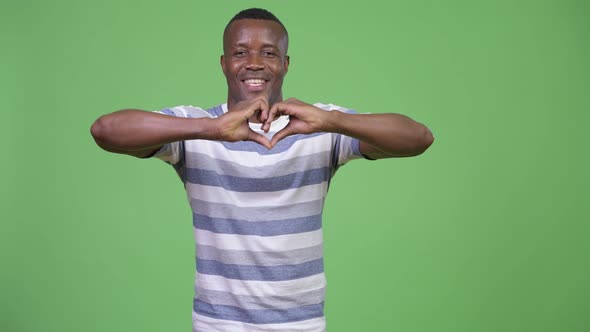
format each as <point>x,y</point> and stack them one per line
<point>383,135</point>
<point>141,133</point>
<point>380,135</point>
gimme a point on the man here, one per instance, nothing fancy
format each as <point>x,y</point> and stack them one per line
<point>256,171</point>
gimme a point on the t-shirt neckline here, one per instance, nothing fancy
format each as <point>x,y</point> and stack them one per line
<point>275,126</point>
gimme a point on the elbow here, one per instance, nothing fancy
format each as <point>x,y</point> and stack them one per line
<point>423,141</point>
<point>100,130</point>
<point>97,129</point>
<point>427,138</point>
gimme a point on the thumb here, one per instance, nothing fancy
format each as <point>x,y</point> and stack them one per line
<point>258,138</point>
<point>287,131</point>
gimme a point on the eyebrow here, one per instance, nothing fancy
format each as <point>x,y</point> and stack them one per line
<point>263,45</point>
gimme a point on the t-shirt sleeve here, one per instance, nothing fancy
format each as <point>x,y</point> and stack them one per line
<point>345,148</point>
<point>172,153</point>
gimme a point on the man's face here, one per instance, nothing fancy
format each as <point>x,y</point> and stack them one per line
<point>255,60</point>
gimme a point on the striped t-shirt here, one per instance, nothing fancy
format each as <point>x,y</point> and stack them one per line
<point>257,217</point>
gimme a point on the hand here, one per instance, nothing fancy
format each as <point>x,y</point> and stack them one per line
<point>303,119</point>
<point>233,125</point>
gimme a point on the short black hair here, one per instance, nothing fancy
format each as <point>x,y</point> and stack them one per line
<point>255,14</point>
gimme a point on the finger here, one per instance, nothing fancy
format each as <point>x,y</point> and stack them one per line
<point>260,139</point>
<point>264,109</point>
<point>258,105</point>
<point>278,108</point>
<point>270,118</point>
<point>262,103</point>
<point>287,131</point>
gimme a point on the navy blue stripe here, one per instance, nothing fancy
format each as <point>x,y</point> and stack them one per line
<point>256,272</point>
<point>258,213</point>
<point>242,184</point>
<point>260,228</point>
<point>259,316</point>
<point>282,146</point>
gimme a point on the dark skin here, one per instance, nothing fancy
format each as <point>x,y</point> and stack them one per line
<point>254,49</point>
<point>255,62</point>
<point>258,49</point>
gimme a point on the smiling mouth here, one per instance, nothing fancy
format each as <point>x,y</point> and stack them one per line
<point>254,82</point>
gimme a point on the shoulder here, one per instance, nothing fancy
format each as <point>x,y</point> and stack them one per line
<point>333,107</point>
<point>190,111</point>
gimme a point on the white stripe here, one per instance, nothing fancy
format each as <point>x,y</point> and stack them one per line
<point>258,243</point>
<point>300,148</point>
<point>260,288</point>
<point>330,107</point>
<point>208,324</point>
<point>185,111</point>
<point>193,111</point>
<point>221,195</point>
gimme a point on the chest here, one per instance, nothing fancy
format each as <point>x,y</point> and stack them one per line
<point>228,172</point>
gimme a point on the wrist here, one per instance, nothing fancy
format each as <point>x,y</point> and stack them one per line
<point>332,121</point>
<point>205,128</point>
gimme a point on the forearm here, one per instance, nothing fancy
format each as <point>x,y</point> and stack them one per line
<point>390,134</point>
<point>135,130</point>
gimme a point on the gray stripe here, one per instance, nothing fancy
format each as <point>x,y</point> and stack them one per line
<point>282,145</point>
<point>263,273</point>
<point>260,228</point>
<point>257,302</point>
<point>262,258</point>
<point>259,213</point>
<point>247,184</point>
<point>283,167</point>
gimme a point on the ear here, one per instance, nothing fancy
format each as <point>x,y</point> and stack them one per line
<point>222,62</point>
<point>286,63</point>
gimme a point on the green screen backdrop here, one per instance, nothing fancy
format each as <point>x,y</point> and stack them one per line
<point>487,231</point>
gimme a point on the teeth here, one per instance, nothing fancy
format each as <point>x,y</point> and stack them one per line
<point>254,82</point>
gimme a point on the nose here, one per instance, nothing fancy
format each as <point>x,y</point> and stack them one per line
<point>254,62</point>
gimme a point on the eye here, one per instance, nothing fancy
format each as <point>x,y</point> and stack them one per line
<point>240,53</point>
<point>269,53</point>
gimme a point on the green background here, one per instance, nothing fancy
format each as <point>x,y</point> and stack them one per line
<point>487,231</point>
